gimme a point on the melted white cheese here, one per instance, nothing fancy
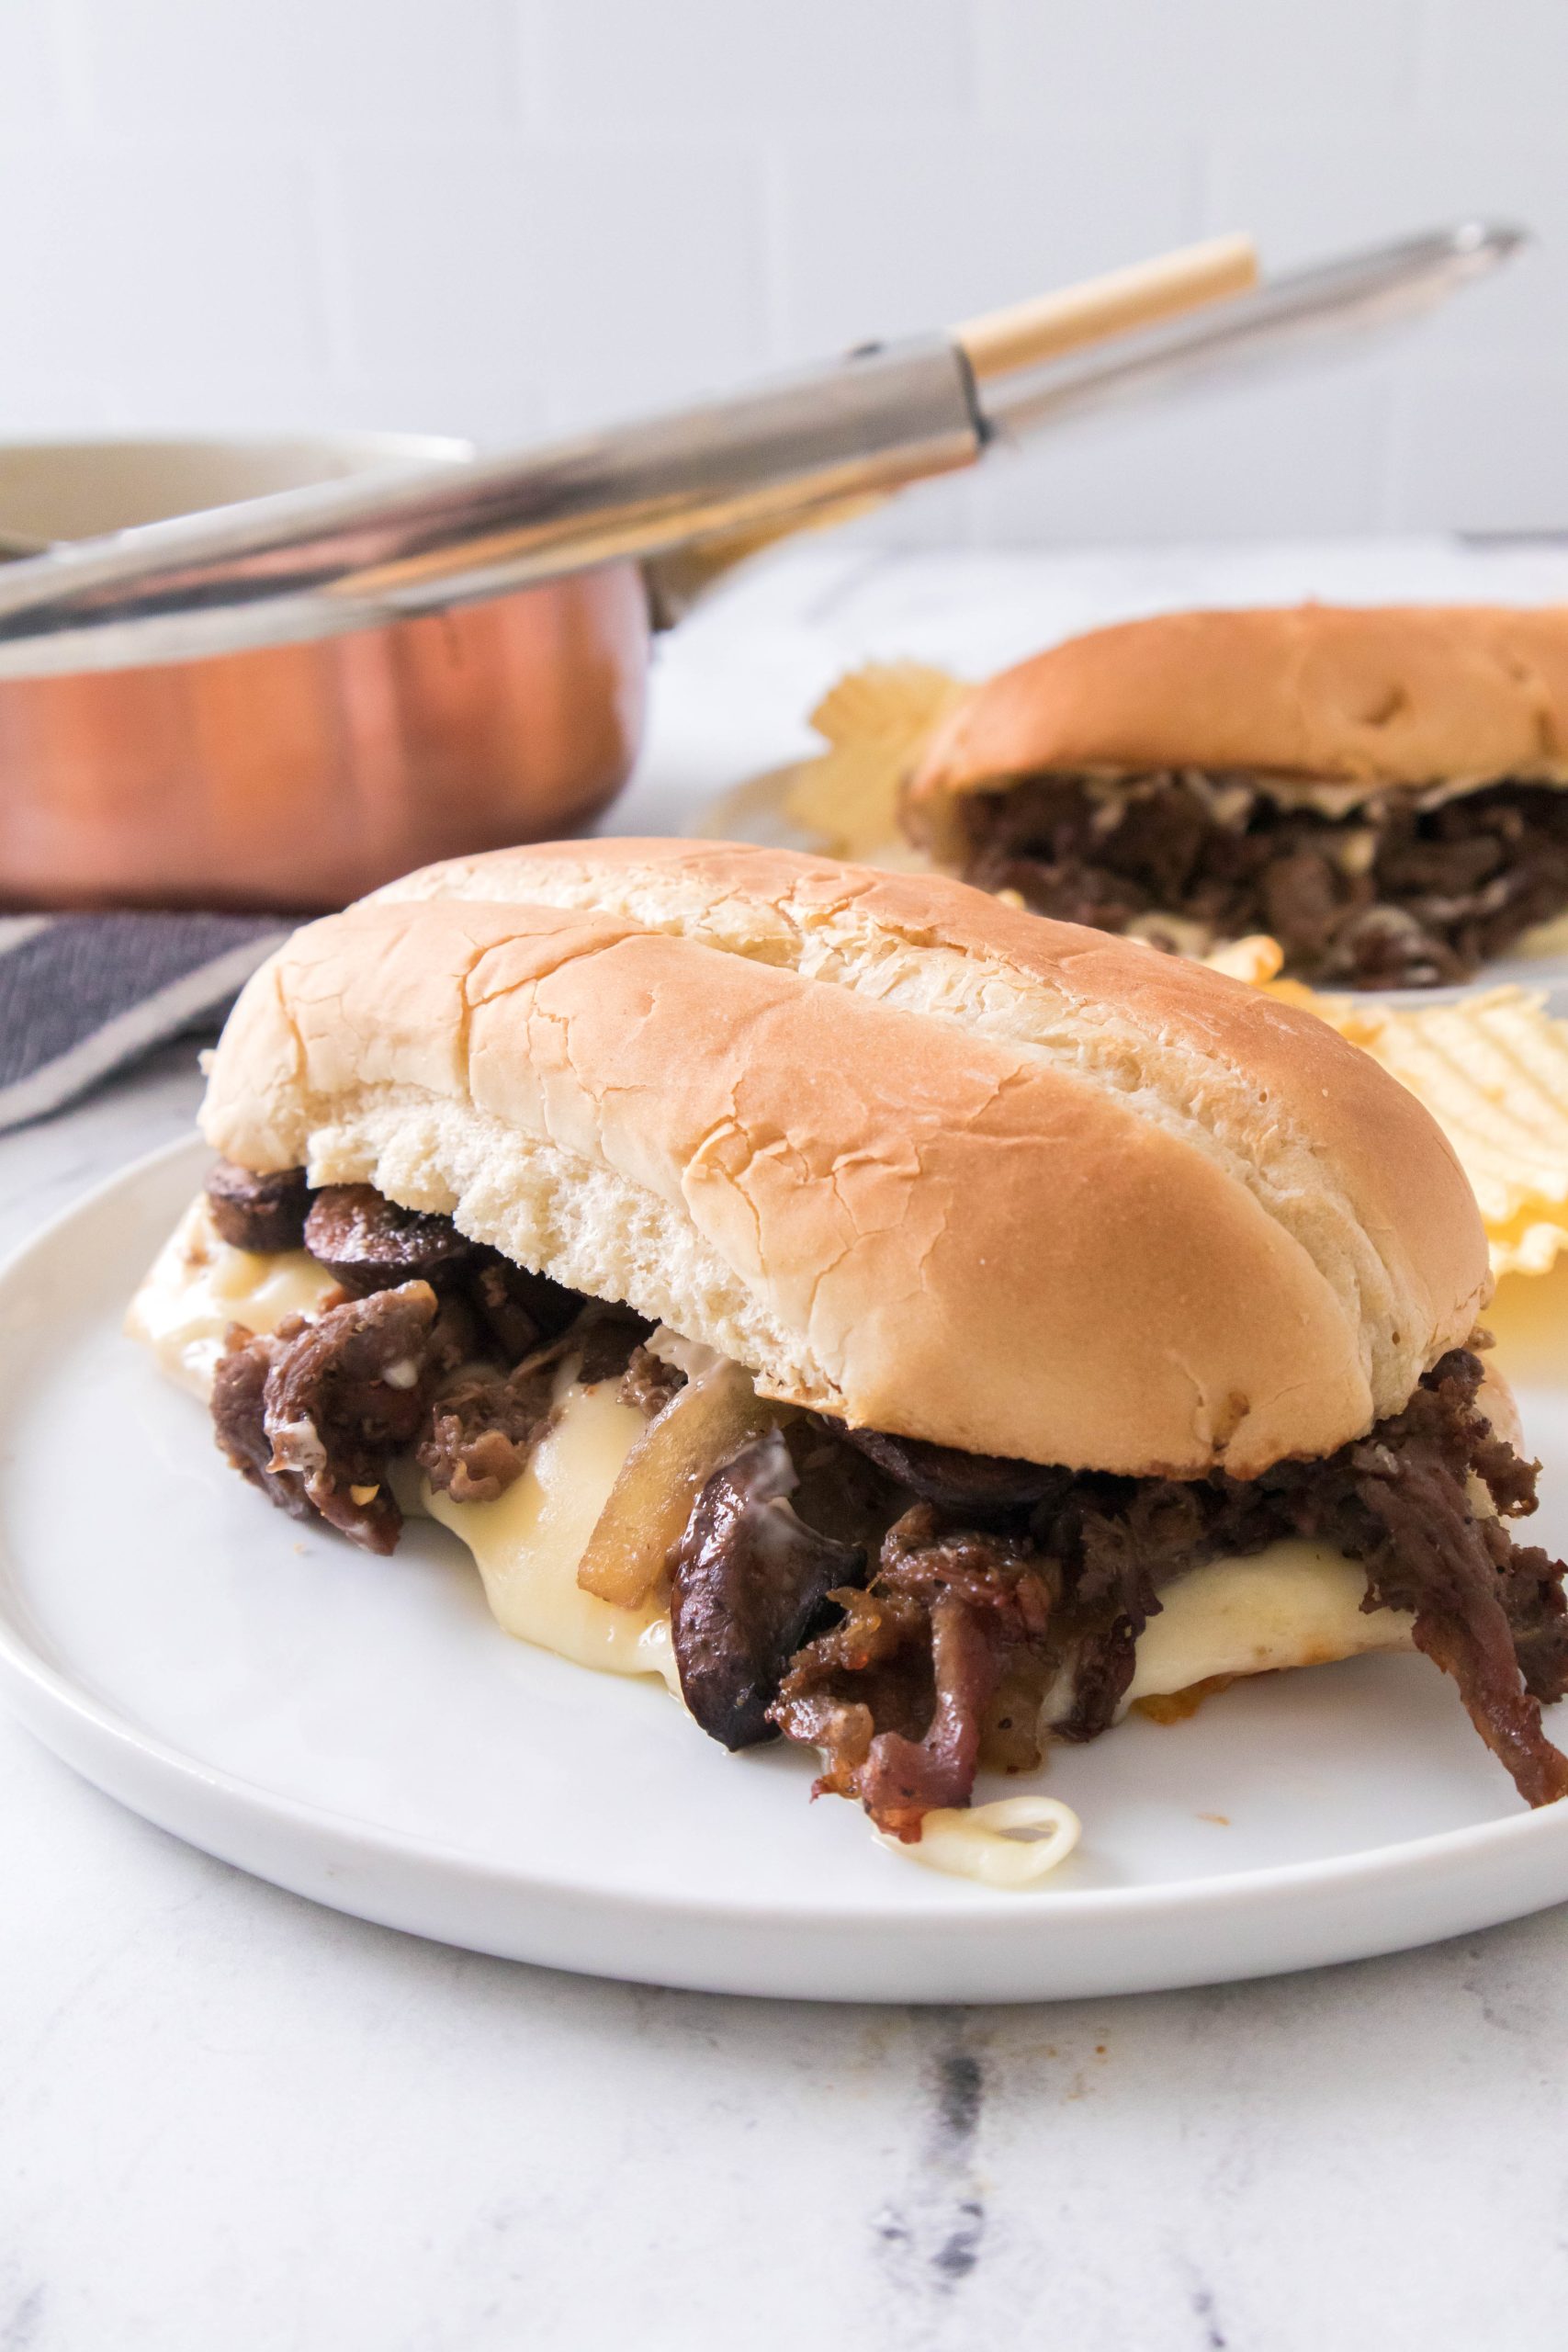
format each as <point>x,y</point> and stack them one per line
<point>198,1286</point>
<point>1293,1604</point>
<point>528,1541</point>
<point>1011,1842</point>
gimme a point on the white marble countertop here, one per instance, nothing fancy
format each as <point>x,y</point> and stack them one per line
<point>233,2122</point>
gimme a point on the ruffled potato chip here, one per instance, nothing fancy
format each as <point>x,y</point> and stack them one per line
<point>1492,1070</point>
<point>875,721</point>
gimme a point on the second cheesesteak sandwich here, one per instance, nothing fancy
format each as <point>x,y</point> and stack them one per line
<point>1382,789</point>
<point>911,1327</point>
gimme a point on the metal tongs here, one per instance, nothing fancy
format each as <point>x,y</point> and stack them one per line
<point>719,476</point>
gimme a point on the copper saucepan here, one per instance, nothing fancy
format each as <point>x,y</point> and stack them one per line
<point>298,776</point>
<point>274,674</point>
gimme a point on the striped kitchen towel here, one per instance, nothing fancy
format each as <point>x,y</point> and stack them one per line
<point>84,995</point>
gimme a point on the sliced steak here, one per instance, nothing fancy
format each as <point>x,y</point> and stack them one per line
<point>998,1577</point>
<point>898,1696</point>
<point>750,1577</point>
<point>371,1244</point>
<point>901,1700</point>
<point>981,1483</point>
<point>482,1430</point>
<point>611,1337</point>
<point>1490,1614</point>
<point>648,1382</point>
<point>1389,895</point>
<point>518,1310</point>
<point>261,1213</point>
<point>338,1397</point>
<point>238,1419</point>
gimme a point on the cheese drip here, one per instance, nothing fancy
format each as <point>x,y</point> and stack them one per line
<point>528,1541</point>
<point>198,1286</point>
<point>1294,1603</point>
<point>528,1544</point>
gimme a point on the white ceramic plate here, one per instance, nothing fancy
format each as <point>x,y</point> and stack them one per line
<point>359,1731</point>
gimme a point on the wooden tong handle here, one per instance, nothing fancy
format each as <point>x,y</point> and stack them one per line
<point>1049,324</point>
<point>994,343</point>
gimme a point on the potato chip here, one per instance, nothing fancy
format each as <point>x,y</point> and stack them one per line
<point>1493,1070</point>
<point>875,722</point>
<point>1255,959</point>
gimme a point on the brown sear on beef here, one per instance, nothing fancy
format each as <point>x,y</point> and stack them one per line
<point>239,1418</point>
<point>1003,1576</point>
<point>898,1696</point>
<point>519,1310</point>
<point>371,1244</point>
<point>868,1675</point>
<point>751,1578</point>
<point>1389,895</point>
<point>261,1213</point>
<point>482,1430</point>
<point>487,1315</point>
<point>313,1412</point>
<point>1490,1614</point>
<point>989,1601</point>
<point>648,1382</point>
<point>981,1483</point>
<point>1119,1540</point>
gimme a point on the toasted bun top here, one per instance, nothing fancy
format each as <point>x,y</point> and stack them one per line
<point>916,1159</point>
<point>1409,694</point>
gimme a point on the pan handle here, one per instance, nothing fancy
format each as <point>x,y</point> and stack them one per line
<point>1268,327</point>
<point>1302,312</point>
<point>1023,335</point>
<point>1048,325</point>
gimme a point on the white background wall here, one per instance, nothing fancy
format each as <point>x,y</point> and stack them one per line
<point>507,217</point>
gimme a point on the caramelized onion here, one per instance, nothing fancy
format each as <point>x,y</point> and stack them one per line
<point>704,1426</point>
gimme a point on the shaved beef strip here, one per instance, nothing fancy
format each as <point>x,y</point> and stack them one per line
<point>239,1418</point>
<point>1389,895</point>
<point>518,1309</point>
<point>1492,1616</point>
<point>944,1616</point>
<point>312,1412</point>
<point>750,1576</point>
<point>371,1244</point>
<point>611,1336</point>
<point>1119,1540</point>
<point>261,1213</point>
<point>484,1426</point>
<point>648,1382</point>
<point>902,1705</point>
<point>471,1435</point>
<point>870,1674</point>
<point>482,1430</point>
